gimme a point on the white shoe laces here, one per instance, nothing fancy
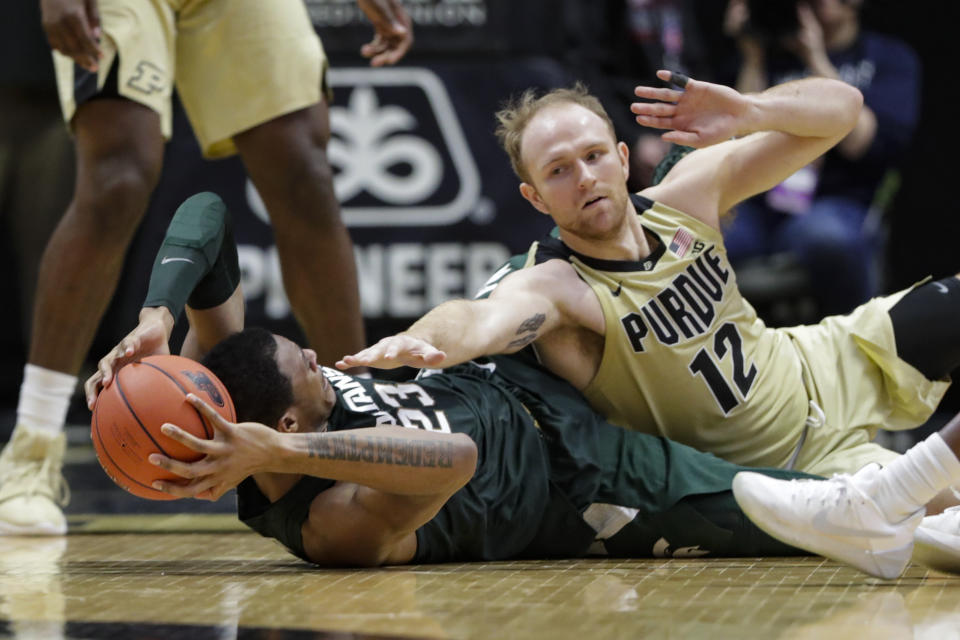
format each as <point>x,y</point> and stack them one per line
<point>839,489</point>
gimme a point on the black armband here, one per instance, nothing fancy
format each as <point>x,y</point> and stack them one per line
<point>190,251</point>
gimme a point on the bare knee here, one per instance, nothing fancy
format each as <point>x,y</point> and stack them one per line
<point>288,162</point>
<point>119,159</point>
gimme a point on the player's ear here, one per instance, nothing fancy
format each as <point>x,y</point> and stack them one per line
<point>529,192</point>
<point>288,423</point>
<point>624,152</point>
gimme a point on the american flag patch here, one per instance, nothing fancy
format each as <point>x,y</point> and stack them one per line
<point>681,242</point>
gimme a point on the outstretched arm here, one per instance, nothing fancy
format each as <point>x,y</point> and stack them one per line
<point>752,141</point>
<point>704,113</point>
<point>526,305</point>
<point>390,480</point>
<point>196,268</point>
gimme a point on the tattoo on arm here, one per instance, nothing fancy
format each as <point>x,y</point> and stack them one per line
<point>532,323</point>
<point>522,342</point>
<point>380,450</point>
<point>528,327</point>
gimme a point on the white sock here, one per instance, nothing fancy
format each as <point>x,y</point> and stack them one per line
<point>44,399</point>
<point>914,478</point>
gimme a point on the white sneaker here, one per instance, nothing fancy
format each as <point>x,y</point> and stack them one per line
<point>938,541</point>
<point>833,518</point>
<point>32,489</point>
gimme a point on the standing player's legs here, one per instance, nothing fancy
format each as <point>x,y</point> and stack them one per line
<point>119,149</point>
<point>287,160</point>
<point>251,76</point>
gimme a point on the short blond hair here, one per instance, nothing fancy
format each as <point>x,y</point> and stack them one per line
<point>517,113</point>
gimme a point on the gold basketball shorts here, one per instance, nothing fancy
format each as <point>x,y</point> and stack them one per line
<point>234,63</point>
<point>852,372</point>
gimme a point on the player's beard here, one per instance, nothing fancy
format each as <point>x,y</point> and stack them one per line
<point>606,224</point>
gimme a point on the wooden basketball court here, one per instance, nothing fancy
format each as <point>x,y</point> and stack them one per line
<point>129,571</point>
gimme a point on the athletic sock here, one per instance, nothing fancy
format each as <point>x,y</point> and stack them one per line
<point>915,478</point>
<point>44,399</point>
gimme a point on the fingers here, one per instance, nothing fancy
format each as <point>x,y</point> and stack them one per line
<point>200,445</point>
<point>188,470</point>
<point>658,93</point>
<point>434,357</point>
<point>684,138</point>
<point>73,36</point>
<point>393,352</point>
<point>655,122</point>
<point>394,33</point>
<point>203,488</point>
<point>659,109</point>
<point>209,414</point>
<point>375,356</point>
<point>92,388</point>
<point>202,481</point>
<point>674,77</point>
<point>387,50</point>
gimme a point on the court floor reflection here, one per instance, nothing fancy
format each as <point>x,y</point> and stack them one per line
<point>201,576</point>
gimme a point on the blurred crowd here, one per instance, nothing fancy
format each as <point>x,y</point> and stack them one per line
<point>822,237</point>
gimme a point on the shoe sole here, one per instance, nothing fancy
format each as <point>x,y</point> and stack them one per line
<point>8,529</point>
<point>930,551</point>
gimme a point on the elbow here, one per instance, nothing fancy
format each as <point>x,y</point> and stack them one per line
<point>463,459</point>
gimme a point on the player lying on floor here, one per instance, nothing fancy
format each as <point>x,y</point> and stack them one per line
<point>485,461</point>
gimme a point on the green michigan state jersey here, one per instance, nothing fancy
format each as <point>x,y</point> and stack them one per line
<point>491,518</point>
<point>549,473</point>
<point>685,356</point>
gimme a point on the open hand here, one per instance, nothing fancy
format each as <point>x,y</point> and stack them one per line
<point>73,29</point>
<point>700,115</point>
<point>235,452</point>
<point>400,350</point>
<point>393,31</point>
<point>149,338</point>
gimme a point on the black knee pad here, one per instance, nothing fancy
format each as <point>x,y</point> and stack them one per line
<point>926,326</point>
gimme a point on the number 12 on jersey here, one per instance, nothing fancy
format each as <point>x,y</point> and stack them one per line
<point>726,340</point>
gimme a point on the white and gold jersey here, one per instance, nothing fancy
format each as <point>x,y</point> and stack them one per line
<point>686,357</point>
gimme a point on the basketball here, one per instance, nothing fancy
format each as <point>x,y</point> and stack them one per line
<point>143,397</point>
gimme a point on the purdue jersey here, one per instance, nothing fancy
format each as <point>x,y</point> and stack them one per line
<point>545,458</point>
<point>685,355</point>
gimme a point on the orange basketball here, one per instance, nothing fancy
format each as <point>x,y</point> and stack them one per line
<point>142,397</point>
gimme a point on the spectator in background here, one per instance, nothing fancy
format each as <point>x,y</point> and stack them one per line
<point>819,213</point>
<point>614,44</point>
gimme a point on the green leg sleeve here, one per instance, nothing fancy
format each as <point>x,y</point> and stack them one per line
<point>190,250</point>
